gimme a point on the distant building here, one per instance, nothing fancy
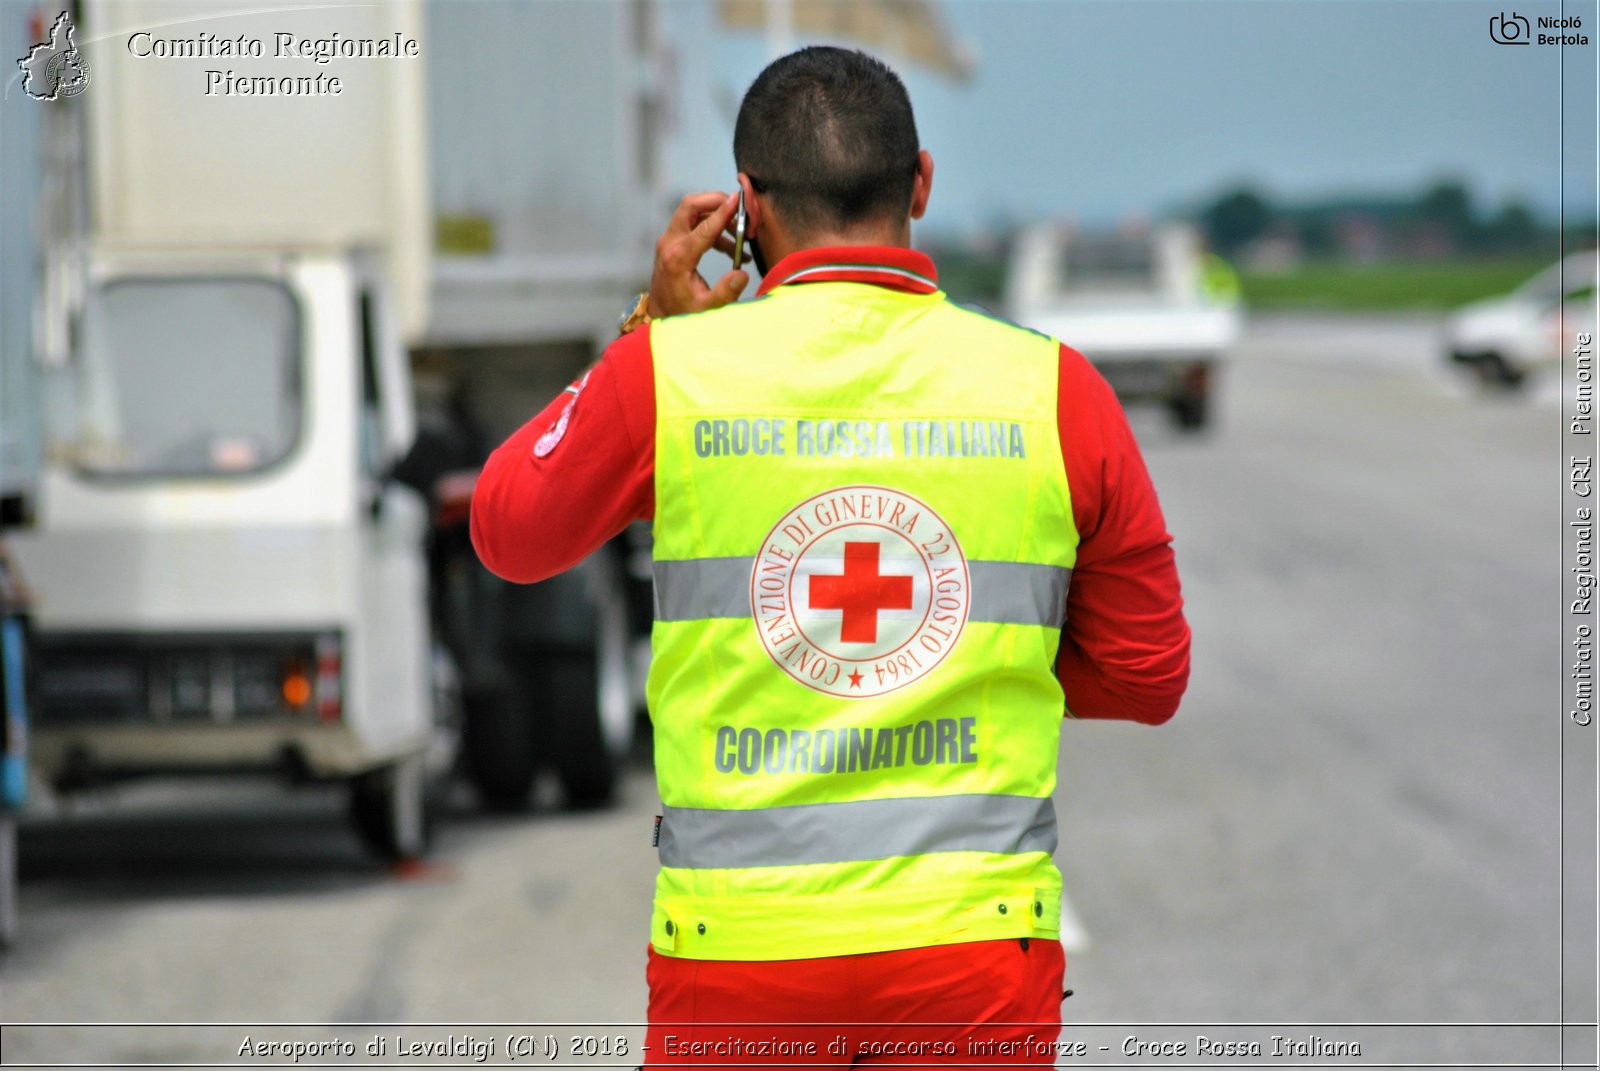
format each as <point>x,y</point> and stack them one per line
<point>1426,240</point>
<point>1359,236</point>
<point>1279,251</point>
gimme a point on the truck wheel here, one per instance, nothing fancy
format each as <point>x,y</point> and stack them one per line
<point>498,746</point>
<point>585,765</point>
<point>589,697</point>
<point>390,812</point>
<point>1190,410</point>
<point>589,702</point>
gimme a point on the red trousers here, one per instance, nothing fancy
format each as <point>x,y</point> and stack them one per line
<point>985,1002</point>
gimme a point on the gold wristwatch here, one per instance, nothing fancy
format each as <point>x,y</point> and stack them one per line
<point>637,316</point>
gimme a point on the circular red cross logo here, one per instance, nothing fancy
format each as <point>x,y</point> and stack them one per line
<point>859,590</point>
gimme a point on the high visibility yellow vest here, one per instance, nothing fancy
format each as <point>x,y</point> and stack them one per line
<point>1218,279</point>
<point>863,541</point>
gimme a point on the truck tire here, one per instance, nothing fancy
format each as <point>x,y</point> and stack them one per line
<point>390,810</point>
<point>499,749</point>
<point>586,757</point>
<point>588,700</point>
<point>568,697</point>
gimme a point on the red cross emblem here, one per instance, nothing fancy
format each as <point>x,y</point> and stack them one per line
<point>857,632</point>
<point>861,592</point>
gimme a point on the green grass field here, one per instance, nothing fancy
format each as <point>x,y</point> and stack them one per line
<point>1393,285</point>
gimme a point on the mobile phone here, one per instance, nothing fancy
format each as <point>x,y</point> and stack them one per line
<point>739,221</point>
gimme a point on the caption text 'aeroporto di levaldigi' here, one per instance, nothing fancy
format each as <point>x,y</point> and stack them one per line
<point>805,1044</point>
<point>224,81</point>
<point>1581,524</point>
<point>627,1045</point>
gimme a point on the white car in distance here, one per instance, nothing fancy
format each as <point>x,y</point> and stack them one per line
<point>1504,339</point>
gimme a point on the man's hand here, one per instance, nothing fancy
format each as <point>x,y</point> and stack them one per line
<point>676,285</point>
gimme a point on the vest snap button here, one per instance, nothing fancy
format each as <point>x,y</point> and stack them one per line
<point>1002,909</point>
<point>701,927</point>
<point>1038,909</point>
<point>669,928</point>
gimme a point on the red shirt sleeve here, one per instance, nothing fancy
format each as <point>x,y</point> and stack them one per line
<point>551,495</point>
<point>1125,646</point>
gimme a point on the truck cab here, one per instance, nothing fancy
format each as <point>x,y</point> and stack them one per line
<point>227,580</point>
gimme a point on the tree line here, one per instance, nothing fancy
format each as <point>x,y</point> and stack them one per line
<point>1442,220</point>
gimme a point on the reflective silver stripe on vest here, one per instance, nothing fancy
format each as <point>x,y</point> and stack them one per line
<point>1003,593</point>
<point>861,829</point>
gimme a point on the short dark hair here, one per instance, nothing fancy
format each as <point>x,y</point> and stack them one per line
<point>828,134</point>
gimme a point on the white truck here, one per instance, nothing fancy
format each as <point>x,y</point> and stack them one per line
<point>233,574</point>
<point>1142,305</point>
<point>226,580</point>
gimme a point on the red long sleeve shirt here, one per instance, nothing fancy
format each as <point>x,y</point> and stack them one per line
<point>578,473</point>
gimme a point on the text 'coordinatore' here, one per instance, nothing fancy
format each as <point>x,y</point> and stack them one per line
<point>936,742</point>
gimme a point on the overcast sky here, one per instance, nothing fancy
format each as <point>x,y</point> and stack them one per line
<point>1104,109</point>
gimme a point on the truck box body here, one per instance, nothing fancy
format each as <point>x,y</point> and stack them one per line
<point>548,149</point>
<point>543,146</point>
<point>176,164</point>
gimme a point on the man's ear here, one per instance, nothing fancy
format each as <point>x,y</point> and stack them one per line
<point>752,208</point>
<point>922,184</point>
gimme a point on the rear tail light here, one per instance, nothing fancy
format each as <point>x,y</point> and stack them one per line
<point>329,684</point>
<point>296,686</point>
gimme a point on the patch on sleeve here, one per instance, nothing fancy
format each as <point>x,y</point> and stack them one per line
<point>558,431</point>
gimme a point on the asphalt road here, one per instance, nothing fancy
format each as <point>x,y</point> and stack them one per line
<point>1354,817</point>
